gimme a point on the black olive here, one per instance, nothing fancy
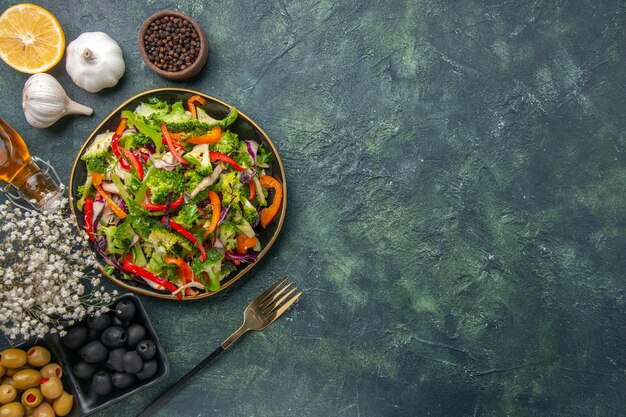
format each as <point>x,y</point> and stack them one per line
<point>146,349</point>
<point>84,370</point>
<point>101,383</point>
<point>122,380</point>
<point>148,370</point>
<point>125,310</point>
<point>99,323</point>
<point>93,334</point>
<point>76,337</point>
<point>93,352</point>
<point>119,323</point>
<point>114,336</point>
<point>132,362</point>
<point>116,359</point>
<point>136,332</point>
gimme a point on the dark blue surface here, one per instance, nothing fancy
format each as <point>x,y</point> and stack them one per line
<point>456,214</point>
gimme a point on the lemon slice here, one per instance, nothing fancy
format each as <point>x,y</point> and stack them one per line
<point>31,39</point>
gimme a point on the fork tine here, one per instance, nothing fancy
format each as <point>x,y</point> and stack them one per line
<point>272,297</point>
<point>267,292</point>
<point>275,303</point>
<point>277,313</point>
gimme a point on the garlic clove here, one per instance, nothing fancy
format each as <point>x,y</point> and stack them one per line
<point>94,61</point>
<point>44,101</point>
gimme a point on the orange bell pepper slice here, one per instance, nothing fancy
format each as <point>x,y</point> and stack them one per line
<point>212,137</point>
<point>116,209</point>
<point>191,104</point>
<point>216,204</point>
<point>184,268</point>
<point>268,213</point>
<point>244,243</point>
<point>96,180</point>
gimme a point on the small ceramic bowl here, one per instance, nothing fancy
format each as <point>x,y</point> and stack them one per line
<point>188,72</point>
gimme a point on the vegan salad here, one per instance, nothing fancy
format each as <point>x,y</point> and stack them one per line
<point>174,200</point>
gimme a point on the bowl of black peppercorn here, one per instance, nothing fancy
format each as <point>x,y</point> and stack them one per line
<point>173,45</point>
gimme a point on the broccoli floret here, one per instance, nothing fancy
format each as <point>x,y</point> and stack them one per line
<point>193,179</point>
<point>162,182</point>
<point>98,165</point>
<point>143,225</point>
<point>136,140</point>
<point>154,106</point>
<point>114,245</point>
<point>230,187</point>
<point>165,240</point>
<point>211,267</point>
<point>227,233</point>
<point>250,214</point>
<point>228,142</point>
<point>242,157</point>
<point>187,216</point>
<point>97,156</point>
<point>236,216</point>
<point>100,146</point>
<point>124,233</point>
<point>200,158</point>
<point>177,114</point>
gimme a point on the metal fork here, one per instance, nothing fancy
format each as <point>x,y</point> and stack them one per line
<point>259,314</point>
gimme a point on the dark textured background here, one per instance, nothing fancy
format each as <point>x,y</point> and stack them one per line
<point>456,174</point>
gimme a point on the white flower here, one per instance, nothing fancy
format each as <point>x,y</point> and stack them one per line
<point>47,272</point>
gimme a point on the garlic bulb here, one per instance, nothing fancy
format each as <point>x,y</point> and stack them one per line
<point>44,101</point>
<point>94,61</point>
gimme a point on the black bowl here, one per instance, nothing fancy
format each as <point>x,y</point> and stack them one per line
<point>243,126</point>
<point>85,400</point>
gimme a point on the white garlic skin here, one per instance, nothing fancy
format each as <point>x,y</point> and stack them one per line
<point>94,61</point>
<point>44,101</point>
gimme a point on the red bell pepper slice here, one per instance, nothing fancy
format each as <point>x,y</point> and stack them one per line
<point>88,221</point>
<point>115,144</point>
<point>170,144</point>
<point>161,207</point>
<point>135,162</point>
<point>252,190</point>
<point>217,156</point>
<point>144,273</point>
<point>180,229</point>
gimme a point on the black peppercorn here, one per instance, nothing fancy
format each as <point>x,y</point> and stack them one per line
<point>172,43</point>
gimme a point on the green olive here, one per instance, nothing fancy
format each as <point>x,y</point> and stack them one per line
<point>26,378</point>
<point>12,410</point>
<point>7,393</point>
<point>28,411</point>
<point>51,369</point>
<point>63,405</point>
<point>43,410</point>
<point>32,397</point>
<point>13,358</point>
<point>38,356</point>
<point>7,380</point>
<point>2,370</point>
<point>51,387</point>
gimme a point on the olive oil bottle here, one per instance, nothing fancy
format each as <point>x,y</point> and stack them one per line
<point>18,169</point>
